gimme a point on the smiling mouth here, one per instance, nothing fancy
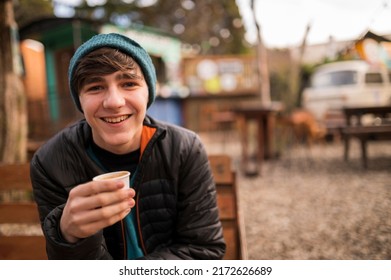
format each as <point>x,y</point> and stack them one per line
<point>116,119</point>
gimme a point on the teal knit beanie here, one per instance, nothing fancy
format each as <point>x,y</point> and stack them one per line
<point>123,44</point>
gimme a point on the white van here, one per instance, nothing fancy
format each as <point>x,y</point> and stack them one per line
<point>346,83</point>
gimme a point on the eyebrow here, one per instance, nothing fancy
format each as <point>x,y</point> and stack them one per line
<point>118,77</point>
<point>128,76</point>
<point>93,79</point>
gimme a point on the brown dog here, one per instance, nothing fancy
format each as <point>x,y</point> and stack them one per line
<point>304,127</point>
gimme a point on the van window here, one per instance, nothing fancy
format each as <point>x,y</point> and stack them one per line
<point>373,78</point>
<point>338,78</point>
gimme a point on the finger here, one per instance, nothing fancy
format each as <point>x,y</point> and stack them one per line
<point>77,205</point>
<point>91,228</point>
<point>105,216</point>
<point>94,187</point>
<point>107,198</point>
<point>104,212</point>
<point>108,213</point>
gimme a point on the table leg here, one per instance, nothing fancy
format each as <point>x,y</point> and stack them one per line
<point>346,147</point>
<point>261,142</point>
<point>363,142</point>
<point>244,139</point>
<point>269,123</point>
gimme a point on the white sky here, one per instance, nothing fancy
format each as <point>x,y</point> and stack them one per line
<point>283,22</point>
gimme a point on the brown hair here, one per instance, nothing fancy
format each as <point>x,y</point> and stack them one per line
<point>101,62</point>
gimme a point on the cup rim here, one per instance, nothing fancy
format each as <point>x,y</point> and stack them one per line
<point>98,177</point>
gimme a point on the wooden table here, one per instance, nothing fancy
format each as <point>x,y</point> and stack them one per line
<point>357,112</point>
<point>265,118</point>
<point>380,130</point>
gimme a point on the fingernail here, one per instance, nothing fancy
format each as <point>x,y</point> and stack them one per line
<point>131,202</point>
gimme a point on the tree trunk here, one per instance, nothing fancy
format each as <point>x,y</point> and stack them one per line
<point>296,76</point>
<point>13,111</point>
<point>263,68</point>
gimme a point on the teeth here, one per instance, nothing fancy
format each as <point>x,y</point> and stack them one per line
<point>116,120</point>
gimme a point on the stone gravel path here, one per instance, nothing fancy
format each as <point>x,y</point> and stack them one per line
<point>310,204</point>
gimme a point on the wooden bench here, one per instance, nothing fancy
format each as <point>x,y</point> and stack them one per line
<point>17,208</point>
<point>18,211</point>
<point>228,203</point>
<point>365,133</point>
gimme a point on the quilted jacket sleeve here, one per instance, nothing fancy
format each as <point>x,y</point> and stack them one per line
<point>50,196</point>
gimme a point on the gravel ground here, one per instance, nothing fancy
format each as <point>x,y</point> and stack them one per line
<point>310,204</point>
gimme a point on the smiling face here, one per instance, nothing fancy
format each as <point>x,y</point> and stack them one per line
<point>114,103</point>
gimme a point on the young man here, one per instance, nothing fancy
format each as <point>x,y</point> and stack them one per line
<point>170,210</point>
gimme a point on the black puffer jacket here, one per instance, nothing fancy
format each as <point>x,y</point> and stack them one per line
<point>177,216</point>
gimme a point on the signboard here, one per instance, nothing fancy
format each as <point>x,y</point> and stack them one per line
<point>213,75</point>
<point>375,52</point>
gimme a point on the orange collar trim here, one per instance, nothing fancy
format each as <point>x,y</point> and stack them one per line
<point>146,136</point>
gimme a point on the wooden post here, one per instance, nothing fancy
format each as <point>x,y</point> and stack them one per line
<point>13,111</point>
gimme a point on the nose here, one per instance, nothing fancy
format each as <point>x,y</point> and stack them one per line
<point>113,99</point>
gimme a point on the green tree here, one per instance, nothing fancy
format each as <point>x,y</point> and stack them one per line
<point>26,11</point>
<point>212,27</point>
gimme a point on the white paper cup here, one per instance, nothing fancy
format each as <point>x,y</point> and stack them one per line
<point>122,176</point>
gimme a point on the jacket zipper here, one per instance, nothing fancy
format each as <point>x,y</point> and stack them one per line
<point>124,240</point>
<point>139,227</point>
<point>143,147</point>
<point>138,232</point>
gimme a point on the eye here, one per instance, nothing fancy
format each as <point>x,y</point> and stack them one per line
<point>92,88</point>
<point>129,84</point>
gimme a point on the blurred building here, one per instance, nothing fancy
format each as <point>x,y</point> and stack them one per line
<point>370,46</point>
<point>47,46</point>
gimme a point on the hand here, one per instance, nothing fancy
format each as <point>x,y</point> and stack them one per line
<point>93,206</point>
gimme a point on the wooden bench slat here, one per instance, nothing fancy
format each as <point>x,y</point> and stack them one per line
<point>226,202</point>
<point>19,246</point>
<point>360,130</point>
<point>15,177</point>
<point>22,248</point>
<point>19,213</point>
<point>221,169</point>
<point>232,241</point>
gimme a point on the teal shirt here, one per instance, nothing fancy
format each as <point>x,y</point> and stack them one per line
<point>132,243</point>
<point>133,247</point>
